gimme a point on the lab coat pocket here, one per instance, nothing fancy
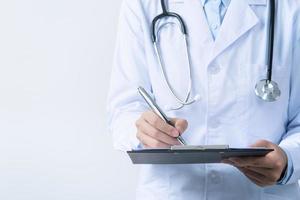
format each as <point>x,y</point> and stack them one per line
<point>172,75</point>
<point>265,120</point>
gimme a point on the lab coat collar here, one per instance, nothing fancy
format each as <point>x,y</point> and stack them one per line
<point>225,2</point>
<point>239,19</point>
<point>257,2</point>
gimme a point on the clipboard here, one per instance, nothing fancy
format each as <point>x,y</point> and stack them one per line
<point>193,154</point>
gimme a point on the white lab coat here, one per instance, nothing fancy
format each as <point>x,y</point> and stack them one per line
<point>224,74</point>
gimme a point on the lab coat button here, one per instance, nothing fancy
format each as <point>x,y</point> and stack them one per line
<point>215,26</point>
<point>215,177</point>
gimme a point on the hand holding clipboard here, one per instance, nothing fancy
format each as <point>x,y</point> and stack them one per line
<point>187,154</point>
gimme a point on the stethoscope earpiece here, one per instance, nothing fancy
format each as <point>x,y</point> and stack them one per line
<point>197,98</point>
<point>181,105</point>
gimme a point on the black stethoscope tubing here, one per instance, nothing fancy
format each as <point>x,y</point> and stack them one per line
<point>167,14</point>
<point>271,40</point>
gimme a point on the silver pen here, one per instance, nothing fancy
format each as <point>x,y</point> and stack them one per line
<point>155,108</point>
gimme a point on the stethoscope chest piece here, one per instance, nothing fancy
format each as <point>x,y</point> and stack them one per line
<point>267,90</point>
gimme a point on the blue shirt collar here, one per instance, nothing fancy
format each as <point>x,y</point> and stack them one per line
<point>225,2</point>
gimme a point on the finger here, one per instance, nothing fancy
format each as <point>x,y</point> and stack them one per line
<point>227,161</point>
<point>263,175</point>
<point>272,177</point>
<point>253,179</point>
<point>157,134</point>
<point>260,176</point>
<point>262,171</point>
<point>262,179</point>
<point>180,124</point>
<point>252,176</point>
<point>148,141</point>
<point>158,123</point>
<point>263,162</point>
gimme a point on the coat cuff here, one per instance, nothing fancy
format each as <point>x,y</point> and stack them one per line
<point>289,170</point>
<point>124,131</point>
<point>292,174</point>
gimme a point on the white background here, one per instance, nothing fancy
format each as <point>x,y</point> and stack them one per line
<point>55,62</point>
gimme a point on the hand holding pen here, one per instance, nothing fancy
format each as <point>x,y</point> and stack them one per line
<point>156,130</point>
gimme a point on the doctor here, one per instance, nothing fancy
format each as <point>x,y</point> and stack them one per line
<point>207,84</point>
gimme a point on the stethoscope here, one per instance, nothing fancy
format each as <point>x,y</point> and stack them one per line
<point>266,89</point>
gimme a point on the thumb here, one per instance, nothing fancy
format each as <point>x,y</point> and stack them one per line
<point>180,124</point>
<point>262,143</point>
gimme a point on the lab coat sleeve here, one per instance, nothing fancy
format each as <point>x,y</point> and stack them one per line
<point>289,170</point>
<point>291,141</point>
<point>129,71</point>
